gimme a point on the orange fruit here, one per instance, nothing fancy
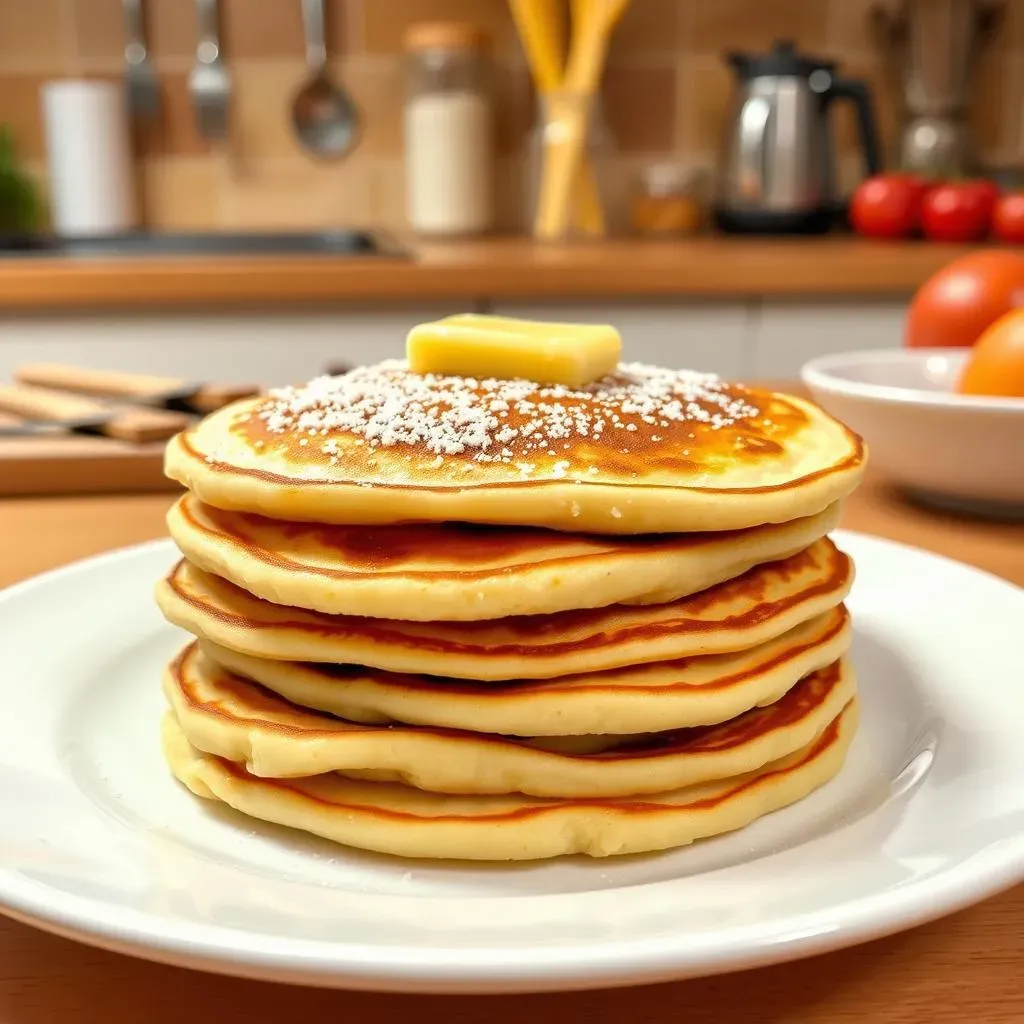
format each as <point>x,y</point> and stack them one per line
<point>995,365</point>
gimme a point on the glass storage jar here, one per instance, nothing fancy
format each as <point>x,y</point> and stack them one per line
<point>448,130</point>
<point>667,202</point>
<point>592,213</point>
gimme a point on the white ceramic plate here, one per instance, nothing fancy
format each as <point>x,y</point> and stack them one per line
<point>97,841</point>
<point>960,452</point>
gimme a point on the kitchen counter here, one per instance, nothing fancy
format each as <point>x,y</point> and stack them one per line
<point>964,967</point>
<point>507,268</point>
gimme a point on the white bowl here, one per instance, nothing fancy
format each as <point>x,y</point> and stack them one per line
<point>963,452</point>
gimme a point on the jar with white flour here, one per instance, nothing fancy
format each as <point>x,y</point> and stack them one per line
<point>448,130</point>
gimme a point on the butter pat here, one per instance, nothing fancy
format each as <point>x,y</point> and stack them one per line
<point>477,345</point>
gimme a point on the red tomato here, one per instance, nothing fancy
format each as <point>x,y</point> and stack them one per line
<point>958,211</point>
<point>954,306</point>
<point>989,189</point>
<point>888,205</point>
<point>1008,218</point>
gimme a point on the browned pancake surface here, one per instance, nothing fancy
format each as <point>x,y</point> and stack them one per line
<point>745,604</point>
<point>431,552</point>
<point>246,703</point>
<point>641,422</point>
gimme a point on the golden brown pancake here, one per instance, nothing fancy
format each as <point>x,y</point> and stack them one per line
<point>396,819</point>
<point>222,714</point>
<point>762,603</point>
<point>646,698</point>
<point>645,450</point>
<point>460,572</point>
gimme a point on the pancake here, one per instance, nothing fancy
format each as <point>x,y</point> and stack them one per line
<point>222,714</point>
<point>396,819</point>
<point>461,572</point>
<point>647,698</point>
<point>762,603</point>
<point>644,450</point>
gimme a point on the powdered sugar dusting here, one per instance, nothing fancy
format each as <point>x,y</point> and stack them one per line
<point>497,421</point>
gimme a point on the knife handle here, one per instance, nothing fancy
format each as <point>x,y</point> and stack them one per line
<point>136,425</point>
<point>32,403</point>
<point>210,397</point>
<point>142,386</point>
<point>142,425</point>
<point>96,382</point>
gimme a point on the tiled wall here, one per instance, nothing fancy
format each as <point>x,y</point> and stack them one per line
<point>665,92</point>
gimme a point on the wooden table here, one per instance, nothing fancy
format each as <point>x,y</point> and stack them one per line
<point>963,968</point>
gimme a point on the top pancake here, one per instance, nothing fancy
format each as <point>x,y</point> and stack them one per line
<point>644,450</point>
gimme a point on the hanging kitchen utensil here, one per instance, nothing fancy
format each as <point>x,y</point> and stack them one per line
<point>141,85</point>
<point>323,115</point>
<point>209,82</point>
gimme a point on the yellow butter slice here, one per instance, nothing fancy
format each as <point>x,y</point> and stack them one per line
<point>478,345</point>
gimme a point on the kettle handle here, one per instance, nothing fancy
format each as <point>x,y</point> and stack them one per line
<point>859,94</point>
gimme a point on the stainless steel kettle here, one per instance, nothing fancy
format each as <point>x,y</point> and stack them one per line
<point>777,170</point>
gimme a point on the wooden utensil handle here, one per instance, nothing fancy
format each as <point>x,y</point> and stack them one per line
<point>34,403</point>
<point>210,397</point>
<point>140,386</point>
<point>96,382</point>
<point>142,425</point>
<point>136,425</point>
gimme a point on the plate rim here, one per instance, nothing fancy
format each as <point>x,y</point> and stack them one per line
<point>448,969</point>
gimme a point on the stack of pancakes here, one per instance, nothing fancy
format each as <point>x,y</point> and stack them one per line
<point>442,616</point>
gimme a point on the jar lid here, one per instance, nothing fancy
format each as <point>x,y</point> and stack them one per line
<point>445,35</point>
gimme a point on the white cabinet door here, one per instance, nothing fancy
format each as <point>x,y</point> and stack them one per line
<point>736,340</point>
<point>267,349</point>
<point>787,334</point>
<point>712,337</point>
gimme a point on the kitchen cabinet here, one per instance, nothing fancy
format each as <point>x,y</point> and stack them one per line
<point>751,338</point>
<point>262,348</point>
<point>787,334</point>
<point>709,336</point>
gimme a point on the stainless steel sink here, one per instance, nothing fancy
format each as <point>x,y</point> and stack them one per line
<point>163,243</point>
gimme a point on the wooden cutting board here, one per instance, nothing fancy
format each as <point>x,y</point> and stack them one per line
<point>74,464</point>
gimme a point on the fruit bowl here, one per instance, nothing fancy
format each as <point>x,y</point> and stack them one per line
<point>961,452</point>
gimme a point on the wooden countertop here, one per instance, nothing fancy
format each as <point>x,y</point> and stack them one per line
<point>498,269</point>
<point>965,967</point>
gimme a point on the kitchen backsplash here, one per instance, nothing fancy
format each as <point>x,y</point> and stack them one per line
<point>665,94</point>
